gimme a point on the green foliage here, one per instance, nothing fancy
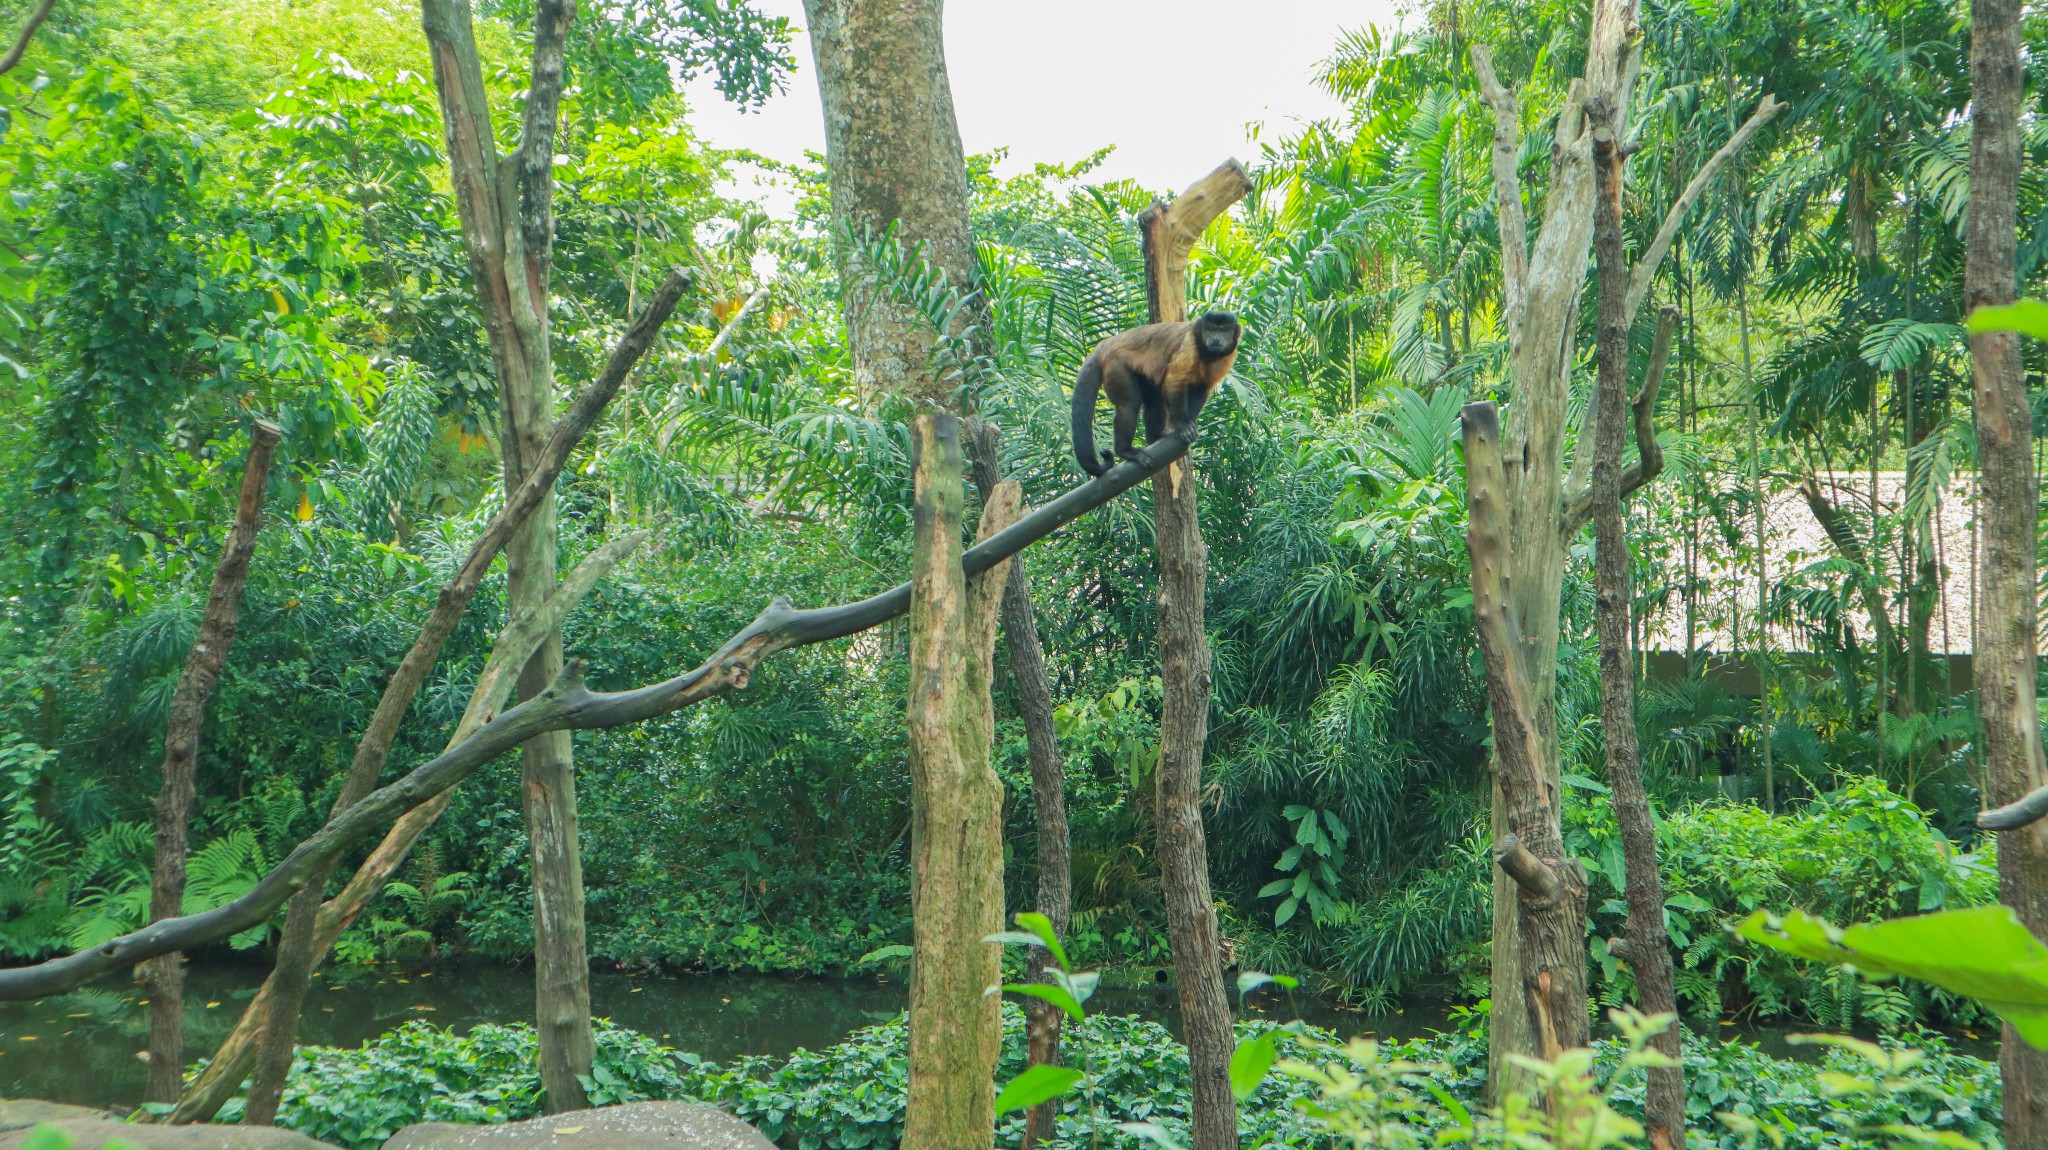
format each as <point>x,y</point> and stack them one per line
<point>852,1094</point>
<point>1857,855</point>
<point>421,1073</point>
<point>1983,952</point>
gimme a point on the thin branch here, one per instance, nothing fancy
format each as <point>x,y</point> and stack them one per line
<point>566,705</point>
<point>1646,268</point>
<point>1507,182</point>
<point>1578,507</point>
<point>28,33</point>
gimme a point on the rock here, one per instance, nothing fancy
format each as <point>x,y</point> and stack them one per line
<point>632,1126</point>
<point>91,1129</point>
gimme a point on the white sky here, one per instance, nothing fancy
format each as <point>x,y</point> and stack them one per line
<point>1176,85</point>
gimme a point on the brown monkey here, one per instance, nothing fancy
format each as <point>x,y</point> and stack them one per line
<point>1167,371</point>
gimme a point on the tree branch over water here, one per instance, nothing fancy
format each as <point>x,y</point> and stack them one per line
<point>566,705</point>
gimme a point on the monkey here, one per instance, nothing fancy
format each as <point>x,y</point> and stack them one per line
<point>1167,371</point>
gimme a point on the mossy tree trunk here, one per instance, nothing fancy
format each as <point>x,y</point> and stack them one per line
<point>895,166</point>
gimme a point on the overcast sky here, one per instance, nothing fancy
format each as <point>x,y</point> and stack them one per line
<point>1176,85</point>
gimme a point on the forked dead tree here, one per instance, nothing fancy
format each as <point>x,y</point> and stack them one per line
<point>1170,233</point>
<point>1526,509</point>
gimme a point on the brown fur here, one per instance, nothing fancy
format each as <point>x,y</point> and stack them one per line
<point>1164,372</point>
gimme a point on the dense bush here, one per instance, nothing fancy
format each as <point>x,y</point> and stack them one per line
<point>851,1095</point>
<point>1859,854</point>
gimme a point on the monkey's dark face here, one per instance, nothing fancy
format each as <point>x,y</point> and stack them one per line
<point>1216,334</point>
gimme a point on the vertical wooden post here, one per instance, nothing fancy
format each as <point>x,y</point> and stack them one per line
<point>1170,233</point>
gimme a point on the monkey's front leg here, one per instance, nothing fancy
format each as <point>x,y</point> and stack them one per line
<point>1126,430</point>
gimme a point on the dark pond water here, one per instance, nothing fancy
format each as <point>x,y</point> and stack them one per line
<point>83,1047</point>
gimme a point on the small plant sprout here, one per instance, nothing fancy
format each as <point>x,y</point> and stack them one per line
<point>1067,990</point>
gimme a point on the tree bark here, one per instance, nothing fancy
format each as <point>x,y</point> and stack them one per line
<point>894,162</point>
<point>507,209</point>
<point>1548,886</point>
<point>1647,948</point>
<point>956,889</point>
<point>2008,507</point>
<point>164,978</point>
<point>1169,235</point>
<point>1048,785</point>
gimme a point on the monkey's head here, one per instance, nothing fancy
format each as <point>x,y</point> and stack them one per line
<point>1216,334</point>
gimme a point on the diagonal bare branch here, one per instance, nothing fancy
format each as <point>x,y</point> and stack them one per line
<point>1646,268</point>
<point>566,705</point>
<point>28,33</point>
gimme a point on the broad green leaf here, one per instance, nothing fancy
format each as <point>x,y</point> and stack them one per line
<point>1250,1062</point>
<point>1982,952</point>
<point>2029,317</point>
<point>1037,1084</point>
<point>1251,980</point>
<point>894,950</point>
<point>1041,926</point>
<point>1059,996</point>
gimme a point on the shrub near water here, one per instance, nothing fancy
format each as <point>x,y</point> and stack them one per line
<point>851,1095</point>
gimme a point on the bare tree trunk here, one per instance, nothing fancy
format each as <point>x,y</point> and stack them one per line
<point>507,208</point>
<point>1170,234</point>
<point>2008,502</point>
<point>1048,785</point>
<point>272,1016</point>
<point>164,977</point>
<point>1647,949</point>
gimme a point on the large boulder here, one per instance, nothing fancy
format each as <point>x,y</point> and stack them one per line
<point>90,1129</point>
<point>632,1126</point>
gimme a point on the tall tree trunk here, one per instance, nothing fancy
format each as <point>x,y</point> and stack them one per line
<point>1526,511</point>
<point>1647,948</point>
<point>1048,785</point>
<point>894,161</point>
<point>164,977</point>
<point>1170,234</point>
<point>507,208</point>
<point>2008,502</point>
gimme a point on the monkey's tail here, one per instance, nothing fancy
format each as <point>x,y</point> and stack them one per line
<point>1086,386</point>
